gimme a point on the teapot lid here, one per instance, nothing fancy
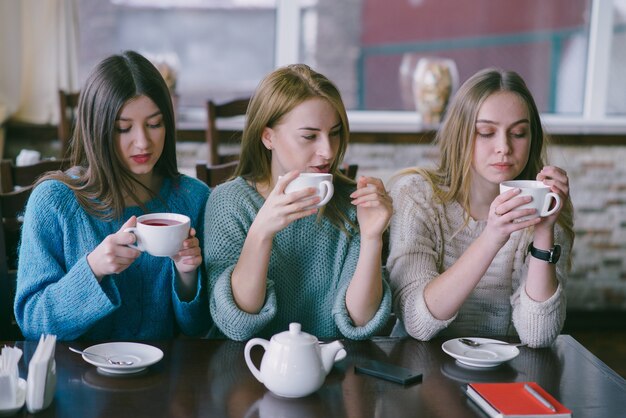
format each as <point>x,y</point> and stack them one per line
<point>295,335</point>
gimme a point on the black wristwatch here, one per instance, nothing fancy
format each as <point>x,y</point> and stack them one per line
<point>551,256</point>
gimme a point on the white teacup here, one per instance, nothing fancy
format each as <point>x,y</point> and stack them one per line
<point>542,201</point>
<point>160,234</point>
<point>323,182</point>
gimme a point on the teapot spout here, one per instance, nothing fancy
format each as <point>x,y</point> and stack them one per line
<point>329,354</point>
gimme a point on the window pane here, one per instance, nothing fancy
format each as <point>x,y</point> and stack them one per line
<point>616,98</point>
<point>534,38</point>
<point>219,52</point>
<point>222,48</point>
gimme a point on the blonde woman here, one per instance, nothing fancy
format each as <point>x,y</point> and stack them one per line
<point>459,259</point>
<point>272,259</point>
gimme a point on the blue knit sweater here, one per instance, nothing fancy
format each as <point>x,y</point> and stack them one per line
<point>57,293</point>
<point>311,265</point>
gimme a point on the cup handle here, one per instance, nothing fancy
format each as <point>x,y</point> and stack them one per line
<point>255,341</point>
<point>327,189</point>
<point>546,211</point>
<point>138,246</point>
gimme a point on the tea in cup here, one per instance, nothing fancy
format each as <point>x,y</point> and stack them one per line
<point>544,201</point>
<point>323,182</point>
<point>160,234</point>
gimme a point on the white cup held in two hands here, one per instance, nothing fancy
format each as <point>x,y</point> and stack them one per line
<point>544,201</point>
<point>160,234</point>
<point>323,182</point>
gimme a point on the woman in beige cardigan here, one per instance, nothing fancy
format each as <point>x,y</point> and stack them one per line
<point>460,261</point>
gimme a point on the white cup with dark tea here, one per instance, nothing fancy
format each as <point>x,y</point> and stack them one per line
<point>160,234</point>
<point>323,182</point>
<point>544,201</point>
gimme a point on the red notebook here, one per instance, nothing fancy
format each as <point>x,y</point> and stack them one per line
<point>517,399</point>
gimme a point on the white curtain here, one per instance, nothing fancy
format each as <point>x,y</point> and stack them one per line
<point>39,50</point>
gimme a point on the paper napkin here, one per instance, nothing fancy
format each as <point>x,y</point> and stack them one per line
<point>42,379</point>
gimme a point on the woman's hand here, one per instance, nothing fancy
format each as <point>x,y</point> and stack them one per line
<point>187,261</point>
<point>373,207</point>
<point>504,216</point>
<point>558,181</point>
<point>281,209</point>
<point>189,257</point>
<point>113,255</point>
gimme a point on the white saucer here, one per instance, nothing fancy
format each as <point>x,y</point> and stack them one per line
<point>142,356</point>
<point>20,399</point>
<point>484,356</point>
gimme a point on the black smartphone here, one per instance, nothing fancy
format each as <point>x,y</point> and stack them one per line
<point>389,372</point>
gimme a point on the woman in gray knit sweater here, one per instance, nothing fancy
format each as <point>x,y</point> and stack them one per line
<point>272,257</point>
<point>460,262</point>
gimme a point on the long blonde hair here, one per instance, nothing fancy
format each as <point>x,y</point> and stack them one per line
<point>277,94</point>
<point>451,179</point>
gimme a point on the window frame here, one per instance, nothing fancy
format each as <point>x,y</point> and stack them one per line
<point>593,117</point>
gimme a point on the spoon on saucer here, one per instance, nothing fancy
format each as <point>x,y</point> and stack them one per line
<point>114,362</point>
<point>472,343</point>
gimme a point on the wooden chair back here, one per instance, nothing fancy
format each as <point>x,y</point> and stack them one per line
<point>214,175</point>
<point>12,175</point>
<point>11,208</point>
<point>68,103</point>
<point>229,109</point>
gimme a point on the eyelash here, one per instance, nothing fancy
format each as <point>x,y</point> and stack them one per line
<point>151,126</point>
<point>488,135</point>
<point>313,136</point>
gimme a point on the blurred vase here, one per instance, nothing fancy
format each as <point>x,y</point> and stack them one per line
<point>405,79</point>
<point>434,81</point>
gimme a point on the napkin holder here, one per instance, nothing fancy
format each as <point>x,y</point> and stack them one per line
<point>42,375</point>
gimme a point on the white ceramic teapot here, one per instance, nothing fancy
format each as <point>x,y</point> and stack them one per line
<point>294,363</point>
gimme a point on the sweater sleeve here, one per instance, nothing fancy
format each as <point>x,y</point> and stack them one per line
<point>340,311</point>
<point>227,221</point>
<point>193,317</point>
<point>415,243</point>
<point>50,298</point>
<point>539,323</point>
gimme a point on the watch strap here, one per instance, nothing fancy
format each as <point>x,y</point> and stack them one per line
<point>551,256</point>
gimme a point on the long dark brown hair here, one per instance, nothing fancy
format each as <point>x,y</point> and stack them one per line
<point>98,177</point>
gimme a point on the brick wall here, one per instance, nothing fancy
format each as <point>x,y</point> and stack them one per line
<point>598,183</point>
<point>598,191</point>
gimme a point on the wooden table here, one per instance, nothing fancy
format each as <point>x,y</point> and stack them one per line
<point>203,378</point>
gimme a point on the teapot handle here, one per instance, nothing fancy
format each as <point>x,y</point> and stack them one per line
<point>255,341</point>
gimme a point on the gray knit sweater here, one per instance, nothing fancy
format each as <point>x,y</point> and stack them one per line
<point>311,265</point>
<point>424,243</point>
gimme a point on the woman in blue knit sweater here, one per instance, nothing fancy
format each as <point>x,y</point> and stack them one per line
<point>77,276</point>
<point>273,260</point>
